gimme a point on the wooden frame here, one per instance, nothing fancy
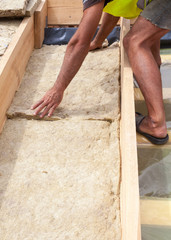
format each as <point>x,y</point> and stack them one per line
<point>30,34</point>
<point>130,207</point>
<point>13,64</point>
<point>40,23</point>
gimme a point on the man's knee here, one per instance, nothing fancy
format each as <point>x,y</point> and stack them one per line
<point>132,42</point>
<point>128,41</point>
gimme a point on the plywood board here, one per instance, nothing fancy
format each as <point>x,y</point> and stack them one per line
<point>13,64</point>
<point>129,186</point>
<point>93,93</point>
<point>59,180</point>
<point>10,8</point>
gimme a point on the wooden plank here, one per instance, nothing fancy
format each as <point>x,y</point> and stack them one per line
<point>138,94</point>
<point>130,215</point>
<point>132,21</point>
<point>156,212</point>
<point>13,64</point>
<point>64,12</point>
<point>165,57</point>
<point>64,16</point>
<point>65,3</point>
<point>40,24</point>
<point>166,94</point>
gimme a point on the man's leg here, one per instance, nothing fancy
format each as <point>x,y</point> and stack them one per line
<point>138,44</point>
<point>108,23</point>
<point>155,49</point>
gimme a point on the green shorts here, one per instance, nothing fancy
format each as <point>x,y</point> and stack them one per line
<point>158,12</point>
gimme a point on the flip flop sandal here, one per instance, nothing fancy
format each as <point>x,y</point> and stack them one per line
<point>152,139</point>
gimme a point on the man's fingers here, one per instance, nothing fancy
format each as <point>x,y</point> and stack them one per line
<point>52,110</point>
<point>46,110</point>
<point>37,104</point>
<point>48,103</point>
<point>39,109</point>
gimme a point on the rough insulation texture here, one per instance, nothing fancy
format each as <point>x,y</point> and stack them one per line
<point>4,42</point>
<point>10,8</point>
<point>32,6</point>
<point>59,180</point>
<point>92,94</point>
<point>7,30</point>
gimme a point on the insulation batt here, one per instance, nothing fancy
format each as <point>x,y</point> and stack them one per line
<point>18,8</point>
<point>13,8</point>
<point>92,94</point>
<point>60,176</point>
<point>59,180</point>
<point>7,31</point>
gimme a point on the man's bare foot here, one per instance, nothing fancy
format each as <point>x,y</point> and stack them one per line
<point>97,45</point>
<point>94,45</point>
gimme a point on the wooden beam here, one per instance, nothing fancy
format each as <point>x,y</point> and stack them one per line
<point>130,215</point>
<point>64,12</point>
<point>165,57</point>
<point>156,212</point>
<point>166,94</point>
<point>40,24</point>
<point>138,94</point>
<point>13,64</point>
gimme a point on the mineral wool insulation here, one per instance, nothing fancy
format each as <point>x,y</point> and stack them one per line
<point>10,8</point>
<point>18,8</point>
<point>60,179</point>
<point>7,31</point>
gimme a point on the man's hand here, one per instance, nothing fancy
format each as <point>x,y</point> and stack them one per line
<point>76,52</point>
<point>48,103</point>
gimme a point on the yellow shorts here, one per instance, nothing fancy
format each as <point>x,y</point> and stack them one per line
<point>123,8</point>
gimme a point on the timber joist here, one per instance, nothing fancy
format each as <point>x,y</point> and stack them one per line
<point>130,208</point>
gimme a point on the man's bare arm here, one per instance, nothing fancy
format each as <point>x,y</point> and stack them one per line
<point>76,52</point>
<point>108,23</point>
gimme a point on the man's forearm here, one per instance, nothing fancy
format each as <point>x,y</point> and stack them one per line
<point>108,23</point>
<point>74,56</point>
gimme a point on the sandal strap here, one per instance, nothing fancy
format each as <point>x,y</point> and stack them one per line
<point>139,119</point>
